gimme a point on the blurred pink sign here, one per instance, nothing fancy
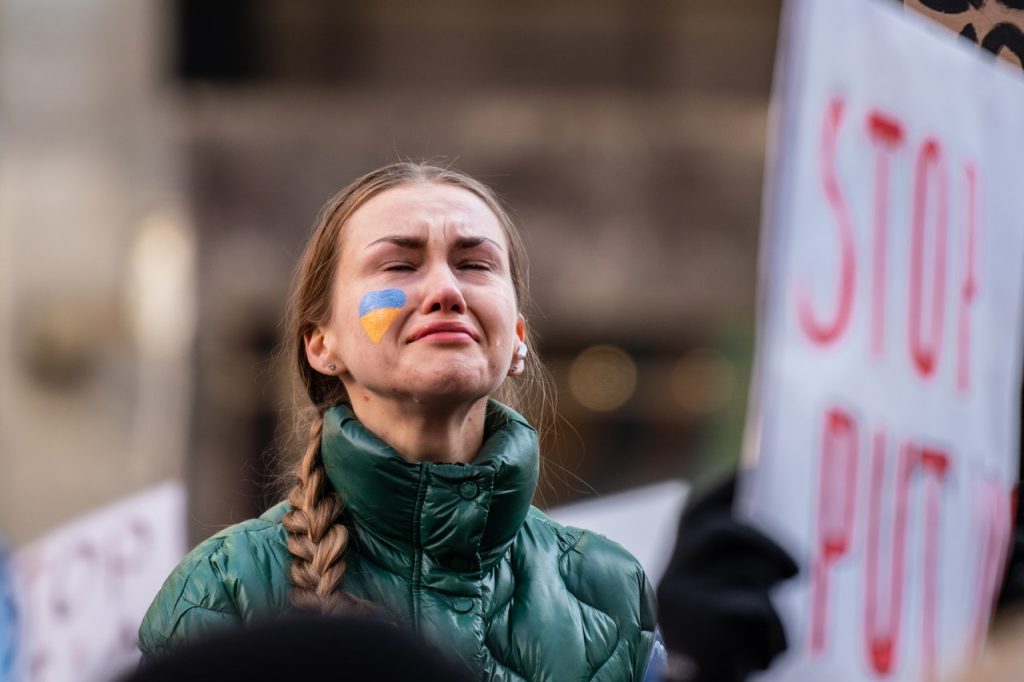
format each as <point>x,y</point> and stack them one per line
<point>82,590</point>
<point>883,426</point>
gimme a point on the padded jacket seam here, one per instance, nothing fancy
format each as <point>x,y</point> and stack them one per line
<point>184,583</point>
<point>618,632</point>
<point>621,643</point>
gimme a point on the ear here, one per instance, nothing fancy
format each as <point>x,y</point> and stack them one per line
<point>320,353</point>
<point>521,327</point>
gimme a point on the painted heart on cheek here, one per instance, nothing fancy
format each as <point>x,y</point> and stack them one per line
<point>378,309</point>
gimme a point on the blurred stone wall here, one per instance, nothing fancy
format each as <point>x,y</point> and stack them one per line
<point>96,262</point>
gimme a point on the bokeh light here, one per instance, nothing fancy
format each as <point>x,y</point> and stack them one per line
<point>602,378</point>
<point>703,381</point>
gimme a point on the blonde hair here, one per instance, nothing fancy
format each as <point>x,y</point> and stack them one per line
<point>317,539</point>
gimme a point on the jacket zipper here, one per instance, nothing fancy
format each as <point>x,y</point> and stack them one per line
<point>417,567</point>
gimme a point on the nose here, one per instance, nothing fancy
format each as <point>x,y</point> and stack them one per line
<point>443,293</point>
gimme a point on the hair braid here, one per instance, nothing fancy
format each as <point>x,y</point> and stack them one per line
<point>316,538</point>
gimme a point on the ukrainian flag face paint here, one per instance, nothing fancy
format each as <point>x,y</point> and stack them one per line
<point>378,309</point>
<point>411,256</point>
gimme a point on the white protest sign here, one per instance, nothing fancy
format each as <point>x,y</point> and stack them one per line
<point>884,420</point>
<point>644,520</point>
<point>82,590</point>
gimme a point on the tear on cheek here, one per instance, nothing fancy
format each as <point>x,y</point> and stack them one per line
<point>378,310</point>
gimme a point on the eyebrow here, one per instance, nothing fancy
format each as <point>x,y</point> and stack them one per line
<point>404,242</point>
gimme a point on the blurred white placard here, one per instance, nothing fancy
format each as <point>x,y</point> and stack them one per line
<point>883,438</point>
<point>643,520</point>
<point>82,590</point>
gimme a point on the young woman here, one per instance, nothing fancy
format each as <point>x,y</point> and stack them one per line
<point>412,500</point>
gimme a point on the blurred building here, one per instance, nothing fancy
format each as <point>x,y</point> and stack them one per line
<point>96,261</point>
<point>627,137</point>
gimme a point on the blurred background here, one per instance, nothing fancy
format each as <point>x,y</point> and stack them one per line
<point>161,164</point>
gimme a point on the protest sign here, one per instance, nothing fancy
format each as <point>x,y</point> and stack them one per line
<point>883,433</point>
<point>644,520</point>
<point>83,589</point>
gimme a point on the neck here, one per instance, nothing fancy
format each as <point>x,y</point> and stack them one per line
<point>453,433</point>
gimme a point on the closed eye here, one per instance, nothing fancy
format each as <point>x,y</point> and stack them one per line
<point>399,267</point>
<point>475,265</point>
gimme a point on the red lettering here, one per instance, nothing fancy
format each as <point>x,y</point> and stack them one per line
<point>969,288</point>
<point>837,490</point>
<point>925,351</point>
<point>882,626</point>
<point>826,321</point>
<point>881,637</point>
<point>74,577</point>
<point>887,134</point>
<point>823,333</point>
<point>125,552</point>
<point>935,464</point>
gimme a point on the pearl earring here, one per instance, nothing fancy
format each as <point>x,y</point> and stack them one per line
<point>518,365</point>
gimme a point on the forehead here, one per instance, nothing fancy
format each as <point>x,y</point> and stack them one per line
<point>429,211</point>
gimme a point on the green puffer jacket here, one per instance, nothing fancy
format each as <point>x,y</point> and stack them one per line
<point>455,552</point>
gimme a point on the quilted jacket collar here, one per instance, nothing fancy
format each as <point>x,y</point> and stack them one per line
<point>430,520</point>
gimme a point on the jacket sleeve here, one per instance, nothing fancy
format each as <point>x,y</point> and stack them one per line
<point>650,651</point>
<point>192,603</point>
<point>657,661</point>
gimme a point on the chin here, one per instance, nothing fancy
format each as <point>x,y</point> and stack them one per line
<point>452,387</point>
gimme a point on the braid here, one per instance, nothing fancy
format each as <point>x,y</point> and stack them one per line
<point>316,538</point>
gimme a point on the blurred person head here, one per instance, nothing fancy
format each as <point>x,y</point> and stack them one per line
<point>408,300</point>
<point>304,648</point>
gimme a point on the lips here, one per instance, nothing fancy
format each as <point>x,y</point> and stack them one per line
<point>444,330</point>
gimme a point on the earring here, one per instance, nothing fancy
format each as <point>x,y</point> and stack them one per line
<point>331,366</point>
<point>519,364</point>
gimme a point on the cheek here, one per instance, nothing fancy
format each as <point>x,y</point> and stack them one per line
<point>505,317</point>
<point>378,310</point>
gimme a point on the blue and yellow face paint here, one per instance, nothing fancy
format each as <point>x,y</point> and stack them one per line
<point>378,309</point>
